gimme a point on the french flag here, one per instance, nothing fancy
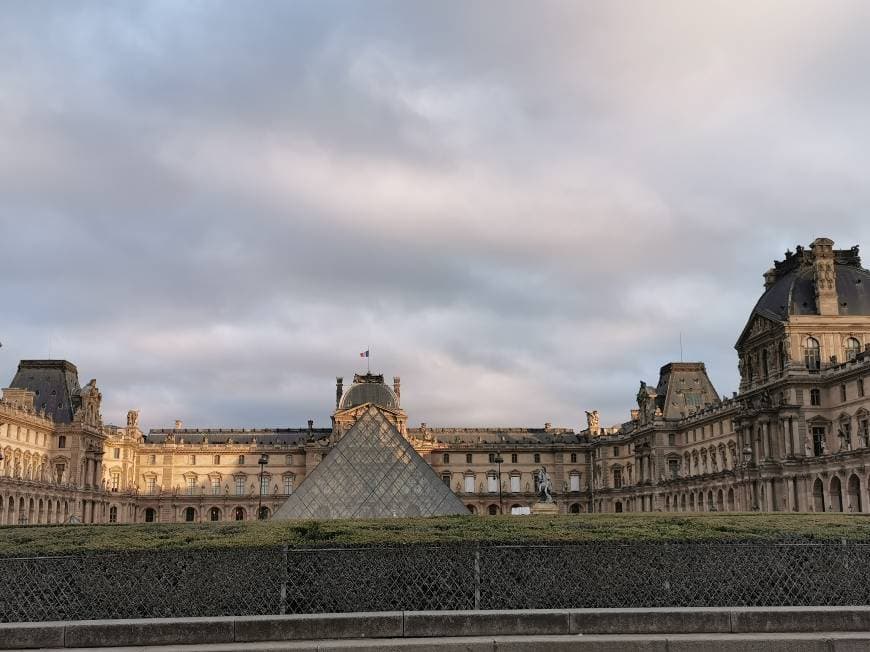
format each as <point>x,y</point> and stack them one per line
<point>364,354</point>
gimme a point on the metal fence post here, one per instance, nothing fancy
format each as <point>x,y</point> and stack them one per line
<point>477,577</point>
<point>282,607</point>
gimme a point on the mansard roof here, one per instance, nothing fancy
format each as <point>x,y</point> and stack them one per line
<point>512,436</point>
<point>369,388</point>
<point>55,384</point>
<point>280,436</point>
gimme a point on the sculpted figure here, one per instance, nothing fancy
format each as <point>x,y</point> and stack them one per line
<point>133,419</point>
<point>545,494</point>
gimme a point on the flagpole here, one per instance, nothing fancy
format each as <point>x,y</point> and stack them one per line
<point>369,360</point>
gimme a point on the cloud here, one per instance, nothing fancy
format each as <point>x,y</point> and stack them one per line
<point>212,207</point>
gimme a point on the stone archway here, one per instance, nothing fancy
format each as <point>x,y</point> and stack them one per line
<point>818,496</point>
<point>853,490</point>
<point>732,507</point>
<point>836,490</point>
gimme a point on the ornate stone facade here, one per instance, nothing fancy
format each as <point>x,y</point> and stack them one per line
<point>795,438</point>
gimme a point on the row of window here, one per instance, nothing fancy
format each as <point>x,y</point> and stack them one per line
<point>215,460</point>
<point>493,458</point>
<point>514,482</point>
<point>816,394</point>
<point>813,357</point>
<point>39,439</point>
<point>215,485</point>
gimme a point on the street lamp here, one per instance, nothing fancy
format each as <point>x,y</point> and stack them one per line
<point>747,461</point>
<point>264,460</point>
<point>498,460</point>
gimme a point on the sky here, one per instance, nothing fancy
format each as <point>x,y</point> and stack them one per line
<point>520,207</point>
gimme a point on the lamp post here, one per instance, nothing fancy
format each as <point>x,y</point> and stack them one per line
<point>264,460</point>
<point>498,460</point>
<point>747,460</point>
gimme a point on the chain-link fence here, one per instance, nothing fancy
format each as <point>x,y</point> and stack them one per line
<point>445,577</point>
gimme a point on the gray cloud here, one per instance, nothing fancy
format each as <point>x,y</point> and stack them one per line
<point>212,207</point>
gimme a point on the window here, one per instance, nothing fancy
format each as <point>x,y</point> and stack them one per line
<point>58,469</point>
<point>674,468</point>
<point>864,431</point>
<point>61,441</point>
<point>818,440</point>
<point>191,459</point>
<point>116,480</point>
<point>765,363</point>
<point>492,484</point>
<point>191,486</point>
<point>215,487</point>
<point>216,460</point>
<point>537,458</point>
<point>445,459</point>
<point>815,397</point>
<point>469,484</point>
<point>189,514</point>
<point>861,387</point>
<point>151,486</point>
<point>617,478</point>
<point>853,348</point>
<point>152,459</point>
<point>574,480</point>
<point>239,514</point>
<point>240,486</point>
<point>150,515</point>
<point>445,478</point>
<point>116,453</point>
<point>842,393</point>
<point>514,458</point>
<point>491,458</point>
<point>214,514</point>
<point>573,458</point>
<point>616,451</point>
<point>241,459</point>
<point>515,484</point>
<point>812,355</point>
<point>468,458</point>
<point>672,439</point>
<point>113,514</point>
<point>288,459</point>
<point>264,485</point>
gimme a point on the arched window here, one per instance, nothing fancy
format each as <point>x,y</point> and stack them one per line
<point>239,513</point>
<point>812,355</point>
<point>113,514</point>
<point>189,514</point>
<point>493,510</point>
<point>853,348</point>
<point>617,478</point>
<point>575,508</point>
<point>150,515</point>
<point>214,514</point>
<point>618,506</point>
<point>263,513</point>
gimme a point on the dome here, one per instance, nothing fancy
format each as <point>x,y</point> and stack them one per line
<point>369,389</point>
<point>794,293</point>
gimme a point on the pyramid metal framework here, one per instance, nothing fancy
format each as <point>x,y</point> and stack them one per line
<point>373,471</point>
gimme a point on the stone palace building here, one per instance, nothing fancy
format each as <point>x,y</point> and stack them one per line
<point>795,437</point>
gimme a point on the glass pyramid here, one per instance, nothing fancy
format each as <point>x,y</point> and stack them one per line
<point>372,472</point>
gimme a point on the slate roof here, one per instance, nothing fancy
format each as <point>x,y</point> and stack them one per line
<point>510,436</point>
<point>794,293</point>
<point>278,436</point>
<point>56,385</point>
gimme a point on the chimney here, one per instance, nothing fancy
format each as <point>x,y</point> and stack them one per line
<point>178,424</point>
<point>825,278</point>
<point>339,384</point>
<point>769,278</point>
<point>397,389</point>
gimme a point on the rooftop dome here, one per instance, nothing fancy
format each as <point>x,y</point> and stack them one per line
<point>369,388</point>
<point>790,286</point>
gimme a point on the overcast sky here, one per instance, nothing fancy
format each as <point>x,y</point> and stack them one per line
<point>212,208</point>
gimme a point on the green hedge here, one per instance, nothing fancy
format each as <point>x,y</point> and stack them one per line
<point>58,540</point>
